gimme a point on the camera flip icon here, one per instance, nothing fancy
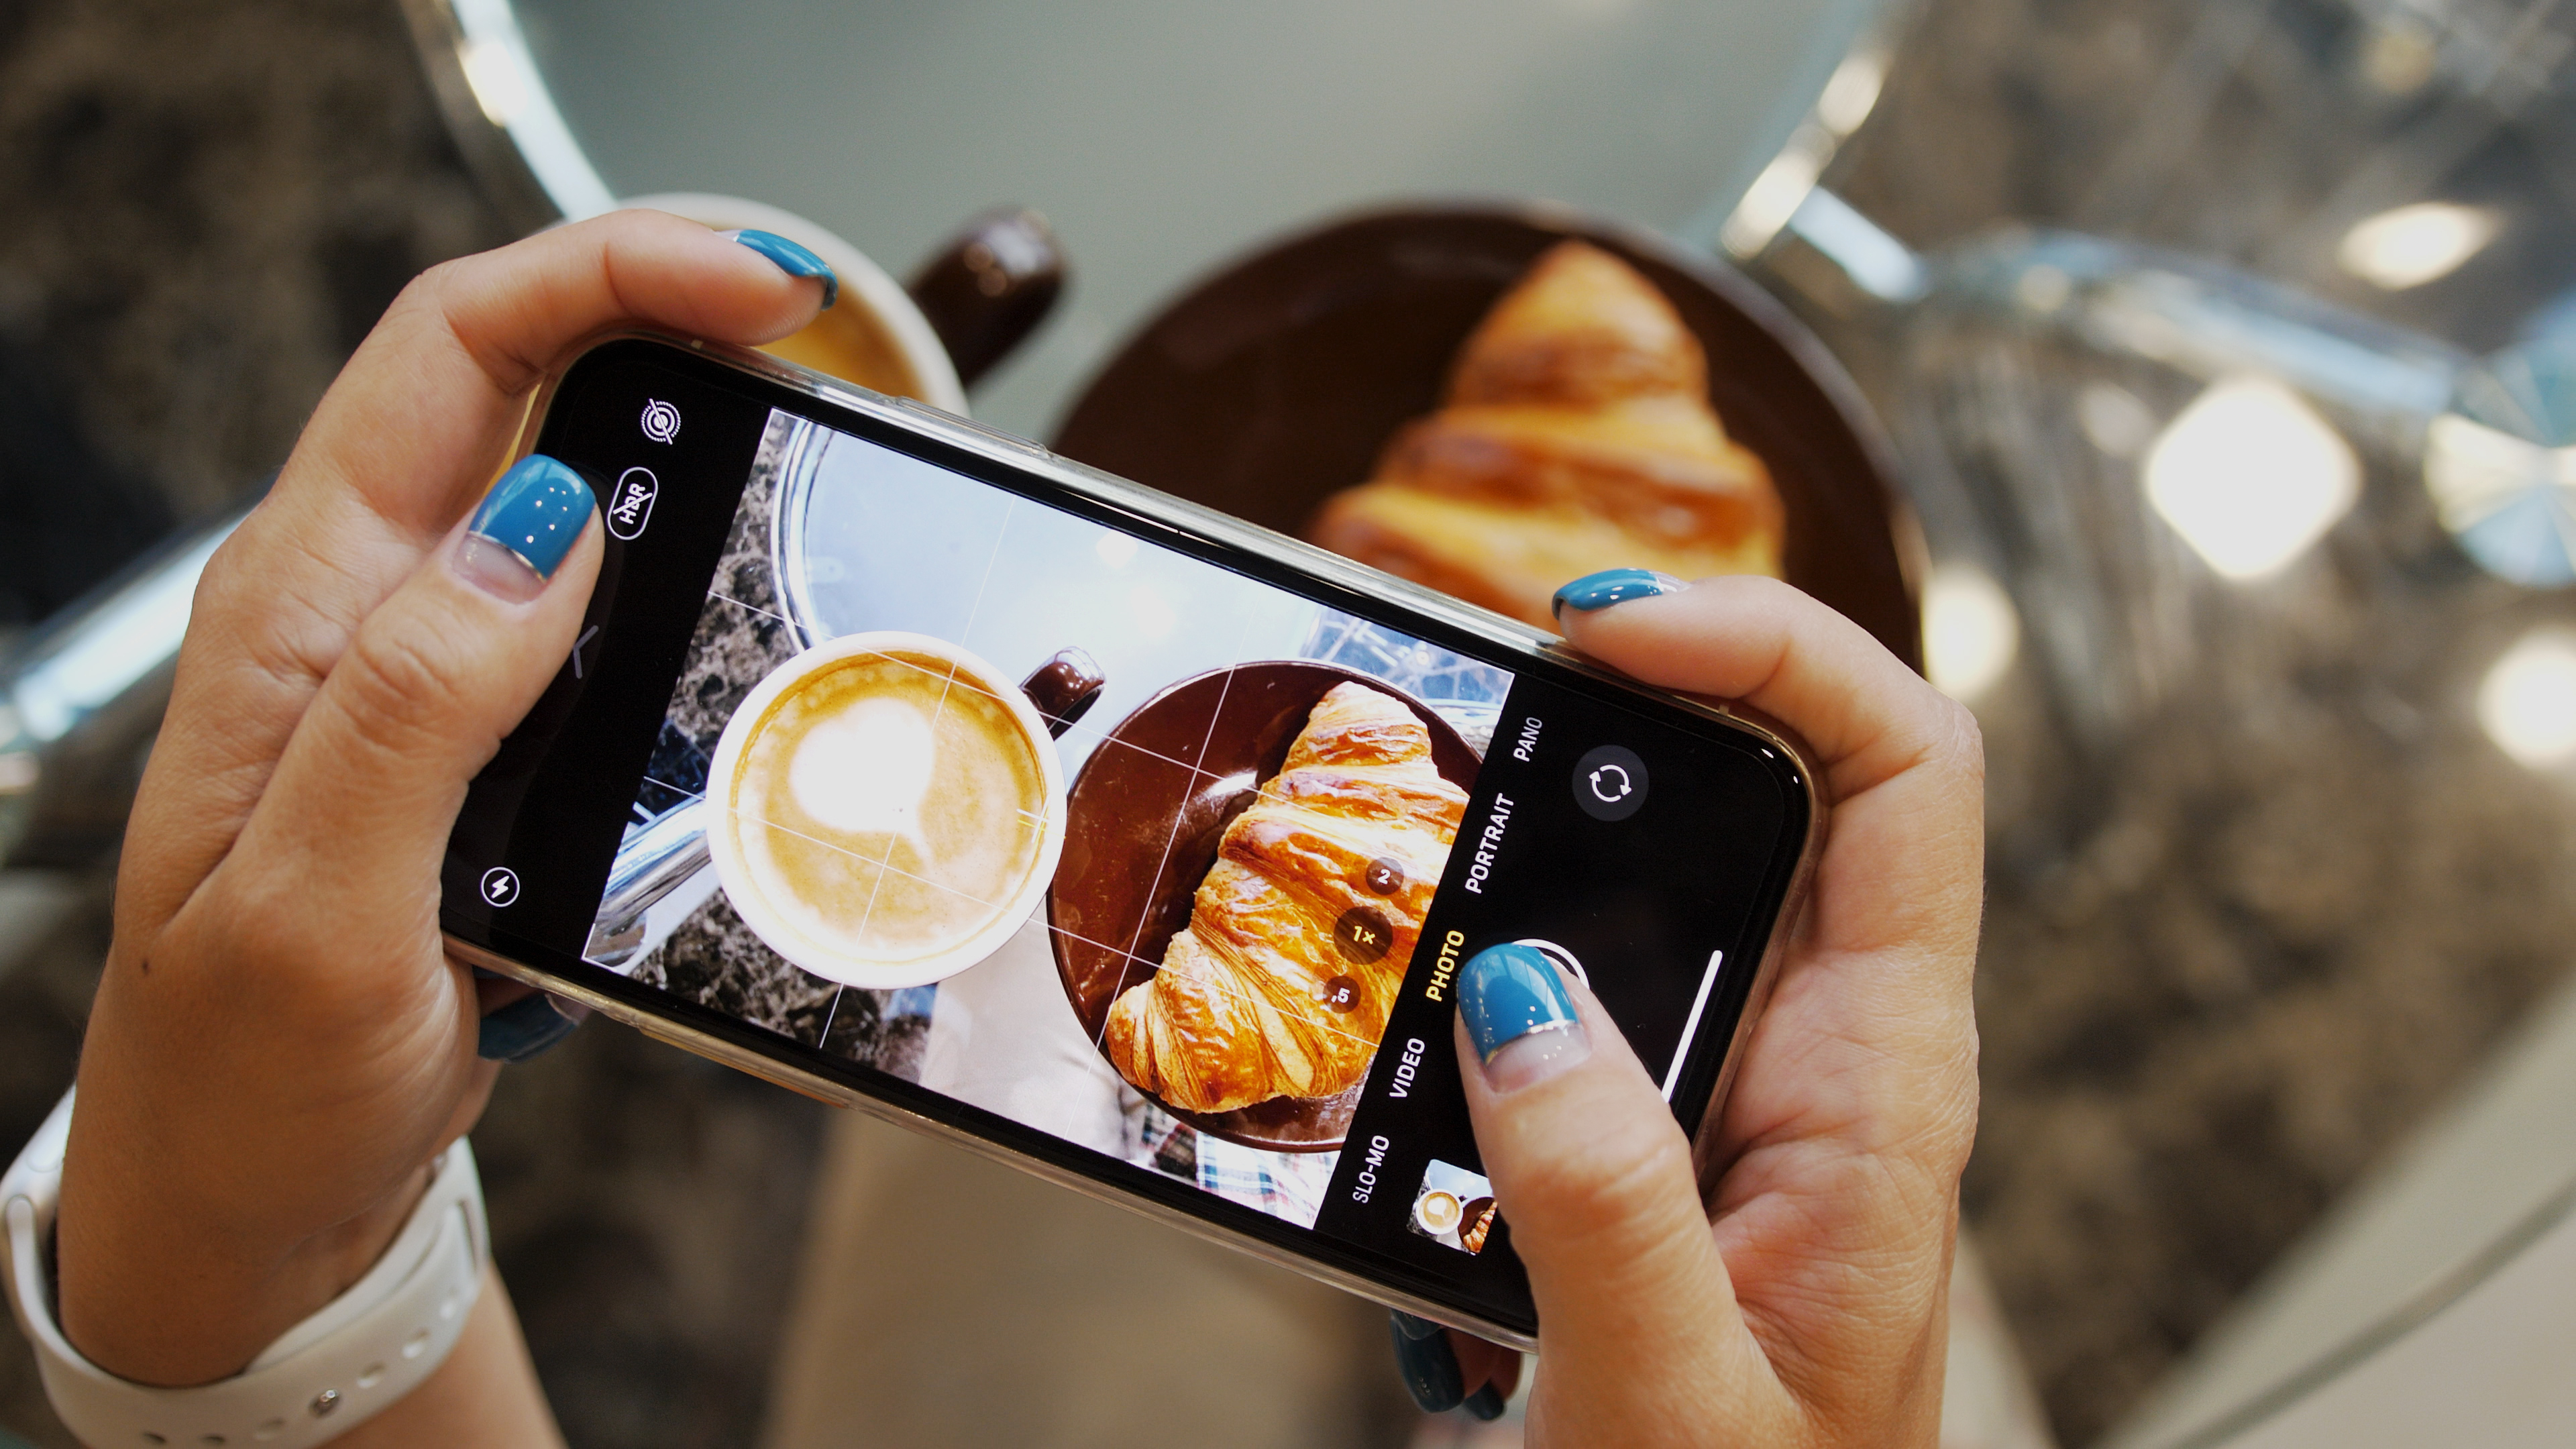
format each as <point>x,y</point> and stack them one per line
<point>1610,783</point>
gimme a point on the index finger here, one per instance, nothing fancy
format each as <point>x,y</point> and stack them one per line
<point>414,426</point>
<point>405,440</point>
<point>1867,716</point>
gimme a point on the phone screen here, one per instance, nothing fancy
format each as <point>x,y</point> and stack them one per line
<point>1142,854</point>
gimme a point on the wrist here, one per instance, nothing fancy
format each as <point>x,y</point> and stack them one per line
<point>359,1354</point>
<point>156,1289</point>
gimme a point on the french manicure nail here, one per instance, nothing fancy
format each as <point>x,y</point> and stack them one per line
<point>1519,1017</point>
<point>1428,1364</point>
<point>1613,586</point>
<point>523,1029</point>
<point>523,528</point>
<point>1485,1403</point>
<point>791,258</point>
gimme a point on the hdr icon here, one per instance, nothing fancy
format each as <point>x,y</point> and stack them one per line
<point>630,503</point>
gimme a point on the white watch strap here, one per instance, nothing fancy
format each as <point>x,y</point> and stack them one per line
<point>358,1354</point>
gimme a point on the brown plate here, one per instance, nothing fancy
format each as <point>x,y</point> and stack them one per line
<point>1274,384</point>
<point>1197,752</point>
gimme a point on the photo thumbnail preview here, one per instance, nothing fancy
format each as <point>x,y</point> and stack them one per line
<point>1453,1207</point>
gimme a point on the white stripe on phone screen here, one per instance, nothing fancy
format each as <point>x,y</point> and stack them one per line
<point>1690,1028</point>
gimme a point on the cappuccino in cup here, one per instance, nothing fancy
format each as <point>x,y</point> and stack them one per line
<point>851,343</point>
<point>889,810</point>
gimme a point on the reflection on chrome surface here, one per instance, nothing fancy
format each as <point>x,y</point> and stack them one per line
<point>1971,633</point>
<point>2527,701</point>
<point>2409,246</point>
<point>2501,466</point>
<point>81,699</point>
<point>2250,476</point>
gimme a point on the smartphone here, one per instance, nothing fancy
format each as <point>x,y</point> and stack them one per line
<point>910,766</point>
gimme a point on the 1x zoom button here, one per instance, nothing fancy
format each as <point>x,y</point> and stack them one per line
<point>1610,783</point>
<point>1363,935</point>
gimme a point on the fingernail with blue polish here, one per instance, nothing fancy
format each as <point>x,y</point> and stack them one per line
<point>1485,1404</point>
<point>1613,586</point>
<point>791,258</point>
<point>1519,1017</point>
<point>536,512</point>
<point>1429,1365</point>
<point>522,1029</point>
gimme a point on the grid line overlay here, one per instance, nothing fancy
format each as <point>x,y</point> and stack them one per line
<point>937,714</point>
<point>1091,734</point>
<point>1171,837</point>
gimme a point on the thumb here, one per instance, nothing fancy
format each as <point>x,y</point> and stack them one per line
<point>367,789</point>
<point>1594,1176</point>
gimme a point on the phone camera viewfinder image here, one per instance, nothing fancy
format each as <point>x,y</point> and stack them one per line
<point>1114,842</point>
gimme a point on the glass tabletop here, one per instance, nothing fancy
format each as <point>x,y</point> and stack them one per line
<point>1160,138</point>
<point>2235,401</point>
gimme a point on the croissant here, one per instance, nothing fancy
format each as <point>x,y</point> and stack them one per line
<point>1576,435</point>
<point>1257,997</point>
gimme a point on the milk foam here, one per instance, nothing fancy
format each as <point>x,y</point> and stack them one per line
<point>887,805</point>
<point>865,770</point>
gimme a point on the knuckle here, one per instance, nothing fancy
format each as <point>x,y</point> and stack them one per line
<point>406,314</point>
<point>218,584</point>
<point>274,939</point>
<point>228,587</point>
<point>246,938</point>
<point>400,690</point>
<point>1965,739</point>
<point>257,915</point>
<point>424,291</point>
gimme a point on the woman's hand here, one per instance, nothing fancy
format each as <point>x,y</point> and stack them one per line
<point>1811,1308</point>
<point>280,1043</point>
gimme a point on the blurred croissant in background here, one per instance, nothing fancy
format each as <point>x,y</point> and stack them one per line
<point>1576,436</point>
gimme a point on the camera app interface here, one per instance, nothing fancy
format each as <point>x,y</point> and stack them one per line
<point>1148,855</point>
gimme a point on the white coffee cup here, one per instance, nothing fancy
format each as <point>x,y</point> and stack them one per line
<point>827,781</point>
